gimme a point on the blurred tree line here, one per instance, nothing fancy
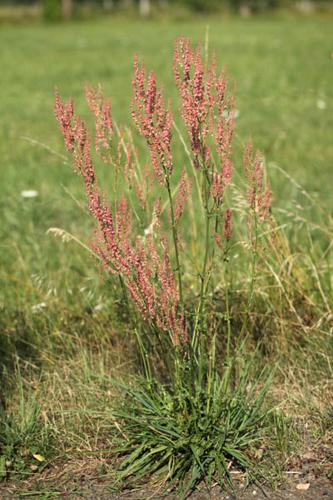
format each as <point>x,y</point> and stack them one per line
<point>65,9</point>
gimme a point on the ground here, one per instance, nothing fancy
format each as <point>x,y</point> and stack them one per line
<point>309,477</point>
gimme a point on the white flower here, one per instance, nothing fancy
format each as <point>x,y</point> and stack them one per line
<point>38,307</point>
<point>29,193</point>
<point>321,104</point>
<point>98,307</point>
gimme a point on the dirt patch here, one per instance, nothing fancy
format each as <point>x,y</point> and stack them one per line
<point>297,486</point>
<point>309,477</point>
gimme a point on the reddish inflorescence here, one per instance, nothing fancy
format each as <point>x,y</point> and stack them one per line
<point>101,109</point>
<point>208,113</point>
<point>184,191</point>
<point>258,195</point>
<point>153,120</point>
<point>144,261</point>
<point>207,109</point>
<point>227,224</point>
<point>147,274</point>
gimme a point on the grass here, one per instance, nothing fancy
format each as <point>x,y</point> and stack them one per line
<point>59,319</point>
<point>193,435</point>
<point>26,439</point>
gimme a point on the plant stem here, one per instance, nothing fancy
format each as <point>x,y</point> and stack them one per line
<point>228,321</point>
<point>204,281</point>
<point>211,373</point>
<point>144,356</point>
<point>254,261</point>
<point>175,241</point>
<point>253,275</point>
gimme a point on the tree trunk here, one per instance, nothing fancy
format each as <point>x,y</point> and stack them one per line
<point>144,8</point>
<point>108,5</point>
<point>67,8</point>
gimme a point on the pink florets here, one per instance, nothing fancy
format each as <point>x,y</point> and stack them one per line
<point>101,109</point>
<point>148,276</point>
<point>137,248</point>
<point>259,196</point>
<point>153,120</point>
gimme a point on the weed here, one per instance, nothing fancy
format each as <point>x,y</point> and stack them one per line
<point>198,423</point>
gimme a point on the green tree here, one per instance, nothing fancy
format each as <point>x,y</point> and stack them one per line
<point>51,10</point>
<point>54,10</point>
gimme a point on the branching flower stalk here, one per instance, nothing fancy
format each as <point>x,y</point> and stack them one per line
<point>147,274</point>
<point>208,113</point>
<point>150,265</point>
<point>154,121</point>
<point>202,419</point>
<point>259,200</point>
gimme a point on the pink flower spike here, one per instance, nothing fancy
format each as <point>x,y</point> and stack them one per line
<point>227,224</point>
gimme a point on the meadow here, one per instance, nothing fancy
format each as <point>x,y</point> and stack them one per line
<point>62,328</point>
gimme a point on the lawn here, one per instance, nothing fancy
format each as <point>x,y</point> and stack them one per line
<point>56,311</point>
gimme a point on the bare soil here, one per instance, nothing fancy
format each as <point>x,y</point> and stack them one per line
<point>309,477</point>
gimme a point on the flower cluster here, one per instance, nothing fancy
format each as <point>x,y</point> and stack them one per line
<point>65,115</point>
<point>208,113</point>
<point>258,195</point>
<point>153,120</point>
<point>147,274</point>
<point>147,265</point>
<point>101,109</point>
<point>184,191</point>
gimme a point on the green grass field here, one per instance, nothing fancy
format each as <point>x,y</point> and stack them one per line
<point>50,289</point>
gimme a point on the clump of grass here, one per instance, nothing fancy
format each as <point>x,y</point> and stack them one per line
<point>194,432</point>
<point>26,440</point>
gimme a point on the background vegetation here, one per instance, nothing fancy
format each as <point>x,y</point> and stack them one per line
<point>55,10</point>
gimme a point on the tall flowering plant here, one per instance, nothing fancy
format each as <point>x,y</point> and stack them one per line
<point>150,266</point>
<point>142,239</point>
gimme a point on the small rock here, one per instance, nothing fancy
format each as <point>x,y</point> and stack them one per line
<point>303,486</point>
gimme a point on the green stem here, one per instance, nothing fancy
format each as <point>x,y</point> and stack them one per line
<point>254,261</point>
<point>144,356</point>
<point>228,321</point>
<point>253,275</point>
<point>177,366</point>
<point>175,241</point>
<point>204,281</point>
<point>212,257</point>
<point>124,291</point>
<point>211,373</point>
